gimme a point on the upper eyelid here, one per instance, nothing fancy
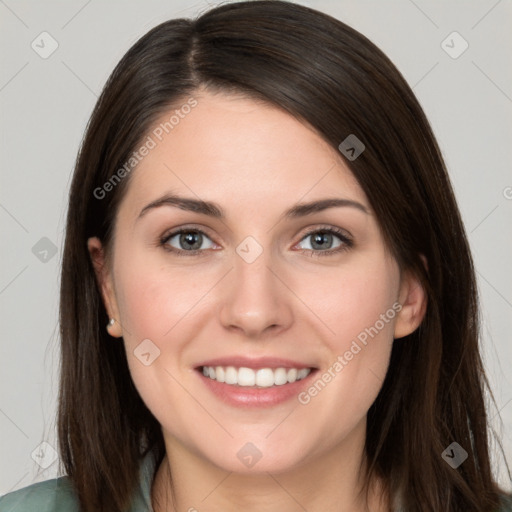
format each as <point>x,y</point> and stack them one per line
<point>176,231</point>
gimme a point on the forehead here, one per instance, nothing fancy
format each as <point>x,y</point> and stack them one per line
<point>239,152</point>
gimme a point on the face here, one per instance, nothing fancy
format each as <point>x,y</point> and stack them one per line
<point>312,294</point>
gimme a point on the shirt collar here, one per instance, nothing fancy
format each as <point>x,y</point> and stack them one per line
<point>141,501</point>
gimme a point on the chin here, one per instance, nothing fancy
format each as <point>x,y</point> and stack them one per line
<point>253,458</point>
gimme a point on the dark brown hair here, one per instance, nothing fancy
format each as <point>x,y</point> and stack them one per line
<point>330,76</point>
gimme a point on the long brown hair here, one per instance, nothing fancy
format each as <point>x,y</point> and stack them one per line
<point>330,76</point>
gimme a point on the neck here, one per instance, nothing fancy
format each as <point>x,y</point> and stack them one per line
<point>330,482</point>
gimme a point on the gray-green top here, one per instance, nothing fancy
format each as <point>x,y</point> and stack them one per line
<point>57,495</point>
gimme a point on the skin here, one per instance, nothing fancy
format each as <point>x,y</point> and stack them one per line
<point>243,154</point>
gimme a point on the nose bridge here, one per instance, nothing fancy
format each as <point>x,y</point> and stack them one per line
<point>256,299</point>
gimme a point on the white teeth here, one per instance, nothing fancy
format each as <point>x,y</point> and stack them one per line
<point>280,376</point>
<point>263,377</point>
<point>231,375</point>
<point>219,374</point>
<point>302,373</point>
<point>246,377</point>
<point>292,375</point>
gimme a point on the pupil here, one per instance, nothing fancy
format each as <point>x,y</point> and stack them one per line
<point>320,238</point>
<point>189,239</point>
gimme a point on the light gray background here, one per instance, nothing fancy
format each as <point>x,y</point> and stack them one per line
<point>45,104</point>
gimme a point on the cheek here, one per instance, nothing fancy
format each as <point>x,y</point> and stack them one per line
<point>357,305</point>
<point>359,309</point>
<point>352,299</point>
<point>157,304</point>
<point>152,299</point>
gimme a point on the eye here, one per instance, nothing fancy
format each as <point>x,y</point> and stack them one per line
<point>322,242</point>
<point>189,241</point>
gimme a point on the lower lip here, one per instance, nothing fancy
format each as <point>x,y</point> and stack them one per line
<point>245,396</point>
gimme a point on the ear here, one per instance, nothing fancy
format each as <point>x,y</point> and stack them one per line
<point>413,299</point>
<point>105,284</point>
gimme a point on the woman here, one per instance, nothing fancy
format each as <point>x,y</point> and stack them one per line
<point>320,353</point>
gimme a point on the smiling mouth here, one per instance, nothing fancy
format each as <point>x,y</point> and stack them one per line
<point>256,378</point>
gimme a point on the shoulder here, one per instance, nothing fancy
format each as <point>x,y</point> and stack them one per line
<point>58,494</point>
<point>55,495</point>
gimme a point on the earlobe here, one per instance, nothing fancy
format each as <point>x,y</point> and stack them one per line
<point>414,305</point>
<point>104,280</point>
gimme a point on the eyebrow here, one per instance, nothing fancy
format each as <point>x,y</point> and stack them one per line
<point>214,210</point>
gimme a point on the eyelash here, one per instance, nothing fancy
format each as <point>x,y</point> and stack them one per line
<point>347,242</point>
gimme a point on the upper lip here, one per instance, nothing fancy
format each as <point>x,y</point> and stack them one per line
<point>255,362</point>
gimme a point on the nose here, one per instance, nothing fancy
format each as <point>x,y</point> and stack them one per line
<point>257,300</point>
